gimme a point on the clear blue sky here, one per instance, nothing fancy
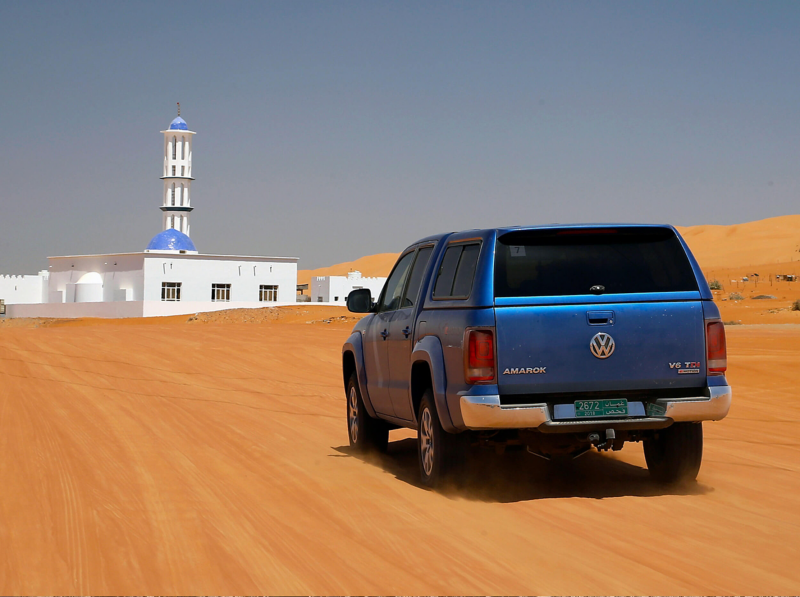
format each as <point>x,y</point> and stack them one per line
<point>332,130</point>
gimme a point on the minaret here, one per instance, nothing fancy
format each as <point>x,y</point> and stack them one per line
<point>177,175</point>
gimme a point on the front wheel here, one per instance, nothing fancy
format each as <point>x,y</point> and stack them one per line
<point>365,433</point>
<point>674,454</point>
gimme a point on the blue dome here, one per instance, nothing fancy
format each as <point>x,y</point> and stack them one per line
<point>171,240</point>
<point>178,124</point>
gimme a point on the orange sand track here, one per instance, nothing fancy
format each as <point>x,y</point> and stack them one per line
<point>177,458</point>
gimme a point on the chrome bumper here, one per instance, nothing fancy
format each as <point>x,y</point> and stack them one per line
<point>485,412</point>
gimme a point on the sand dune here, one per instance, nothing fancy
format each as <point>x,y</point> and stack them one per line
<point>369,266</point>
<point>769,243</point>
<point>196,458</point>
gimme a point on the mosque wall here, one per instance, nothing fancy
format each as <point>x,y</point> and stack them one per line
<point>137,277</point>
<point>121,274</point>
<point>197,274</point>
<point>130,285</point>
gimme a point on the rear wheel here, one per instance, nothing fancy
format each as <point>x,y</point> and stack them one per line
<point>365,433</point>
<point>440,453</point>
<point>674,454</point>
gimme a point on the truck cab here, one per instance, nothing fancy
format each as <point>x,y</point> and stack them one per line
<point>558,339</point>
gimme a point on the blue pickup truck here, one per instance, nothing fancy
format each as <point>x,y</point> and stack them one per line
<point>558,339</point>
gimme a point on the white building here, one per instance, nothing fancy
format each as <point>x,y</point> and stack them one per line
<point>334,289</point>
<point>170,277</point>
<point>24,289</point>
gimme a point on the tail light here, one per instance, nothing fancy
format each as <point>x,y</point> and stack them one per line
<point>717,351</point>
<point>479,364</point>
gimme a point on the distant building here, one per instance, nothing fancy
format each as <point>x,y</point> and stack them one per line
<point>334,289</point>
<point>170,277</point>
<point>24,289</point>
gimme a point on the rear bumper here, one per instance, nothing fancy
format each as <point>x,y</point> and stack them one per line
<point>486,412</point>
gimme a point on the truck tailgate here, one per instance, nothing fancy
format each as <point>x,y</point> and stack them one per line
<point>641,345</point>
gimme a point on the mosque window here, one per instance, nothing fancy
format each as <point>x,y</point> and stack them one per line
<point>267,293</point>
<point>221,292</point>
<point>183,148</point>
<point>173,193</point>
<point>183,170</point>
<point>183,195</point>
<point>173,171</point>
<point>174,147</point>
<point>170,291</point>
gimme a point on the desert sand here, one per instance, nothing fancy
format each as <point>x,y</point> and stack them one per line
<point>369,266</point>
<point>210,455</point>
<point>773,244</point>
<point>727,254</point>
<point>770,241</point>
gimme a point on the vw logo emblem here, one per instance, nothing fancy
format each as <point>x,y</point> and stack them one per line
<point>602,345</point>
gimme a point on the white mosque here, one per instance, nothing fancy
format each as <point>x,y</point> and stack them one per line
<point>170,277</point>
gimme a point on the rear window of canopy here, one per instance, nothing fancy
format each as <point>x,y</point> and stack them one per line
<point>581,261</point>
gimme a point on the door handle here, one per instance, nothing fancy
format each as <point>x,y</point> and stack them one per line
<point>407,331</point>
<point>600,317</point>
<point>384,334</point>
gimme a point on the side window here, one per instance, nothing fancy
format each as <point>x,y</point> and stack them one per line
<point>447,272</point>
<point>457,271</point>
<point>415,281</point>
<point>466,270</point>
<point>394,285</point>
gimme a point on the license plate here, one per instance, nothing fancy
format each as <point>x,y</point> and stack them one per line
<point>601,408</point>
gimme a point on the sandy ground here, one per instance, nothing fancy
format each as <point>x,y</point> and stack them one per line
<point>175,457</point>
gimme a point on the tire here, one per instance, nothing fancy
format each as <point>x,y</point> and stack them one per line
<point>674,454</point>
<point>440,453</point>
<point>365,433</point>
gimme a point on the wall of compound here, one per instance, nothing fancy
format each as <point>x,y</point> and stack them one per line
<point>24,289</point>
<point>167,308</point>
<point>69,310</point>
<point>334,289</point>
<point>128,309</point>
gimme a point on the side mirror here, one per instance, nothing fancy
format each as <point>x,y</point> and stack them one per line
<point>359,301</point>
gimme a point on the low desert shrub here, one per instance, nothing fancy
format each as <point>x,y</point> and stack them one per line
<point>735,296</point>
<point>796,305</point>
<point>715,285</point>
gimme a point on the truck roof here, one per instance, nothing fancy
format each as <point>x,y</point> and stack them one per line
<point>504,229</point>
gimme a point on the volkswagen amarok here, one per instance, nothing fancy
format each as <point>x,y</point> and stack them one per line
<point>558,339</point>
